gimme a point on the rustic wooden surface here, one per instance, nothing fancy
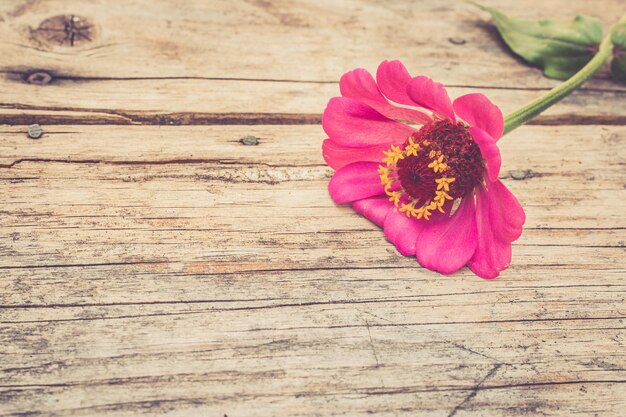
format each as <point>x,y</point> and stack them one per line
<point>151,264</point>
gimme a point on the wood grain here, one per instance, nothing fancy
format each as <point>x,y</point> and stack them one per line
<point>152,264</point>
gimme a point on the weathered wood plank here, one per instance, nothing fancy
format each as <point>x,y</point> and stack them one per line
<point>308,311</point>
<point>280,40</point>
<point>62,188</point>
<point>250,102</point>
<point>172,270</point>
<point>208,169</point>
<point>389,357</point>
<point>275,62</point>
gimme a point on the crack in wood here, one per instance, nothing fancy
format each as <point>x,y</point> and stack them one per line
<point>85,265</point>
<point>408,325</point>
<point>96,116</point>
<point>99,116</point>
<point>21,72</point>
<point>371,343</point>
<point>107,117</point>
<point>18,74</point>
<point>366,391</point>
<point>452,343</point>
<point>138,303</point>
<point>182,161</point>
<point>474,391</point>
<point>206,301</point>
<point>201,301</point>
<point>345,302</point>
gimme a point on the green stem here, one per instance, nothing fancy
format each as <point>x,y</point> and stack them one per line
<point>532,109</point>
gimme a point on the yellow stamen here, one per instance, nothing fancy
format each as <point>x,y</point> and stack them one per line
<point>393,155</point>
<point>409,209</point>
<point>412,148</point>
<point>384,175</point>
<point>437,164</point>
<point>394,196</point>
<point>444,183</point>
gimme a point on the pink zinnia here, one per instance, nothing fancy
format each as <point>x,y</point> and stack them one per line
<point>434,190</point>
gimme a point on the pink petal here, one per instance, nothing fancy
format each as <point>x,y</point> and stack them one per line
<point>375,209</point>
<point>431,95</point>
<point>355,182</point>
<point>507,214</point>
<point>489,150</point>
<point>360,85</point>
<point>352,123</point>
<point>338,156</point>
<point>448,245</point>
<point>392,78</point>
<point>495,225</point>
<point>402,231</point>
<point>477,110</point>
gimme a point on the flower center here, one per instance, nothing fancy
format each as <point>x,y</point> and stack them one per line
<point>437,165</point>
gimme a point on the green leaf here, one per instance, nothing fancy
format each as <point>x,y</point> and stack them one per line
<point>618,65</point>
<point>560,48</point>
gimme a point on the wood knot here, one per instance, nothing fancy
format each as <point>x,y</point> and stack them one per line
<point>64,30</point>
<point>38,78</point>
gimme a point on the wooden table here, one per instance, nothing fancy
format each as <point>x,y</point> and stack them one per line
<point>154,264</point>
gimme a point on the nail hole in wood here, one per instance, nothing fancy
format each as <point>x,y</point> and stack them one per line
<point>35,131</point>
<point>39,78</point>
<point>524,174</point>
<point>249,140</point>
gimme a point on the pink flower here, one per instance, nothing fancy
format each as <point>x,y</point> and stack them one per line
<point>434,189</point>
